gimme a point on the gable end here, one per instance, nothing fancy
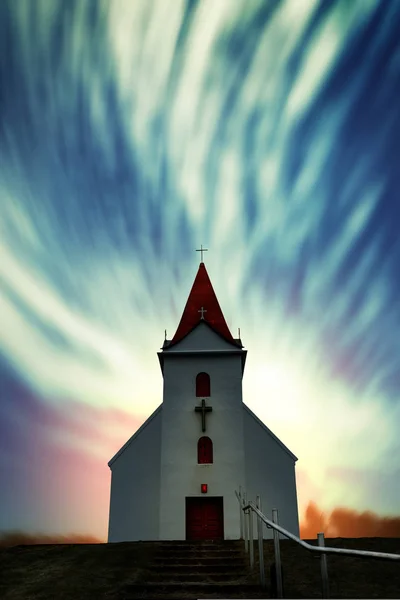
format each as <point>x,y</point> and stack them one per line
<point>135,435</point>
<point>267,430</point>
<point>235,343</point>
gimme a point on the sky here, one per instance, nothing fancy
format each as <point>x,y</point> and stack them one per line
<point>131,132</point>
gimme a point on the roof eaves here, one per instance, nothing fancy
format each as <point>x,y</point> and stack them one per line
<point>237,343</point>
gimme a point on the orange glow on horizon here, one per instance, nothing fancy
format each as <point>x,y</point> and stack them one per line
<point>346,523</point>
<point>340,522</point>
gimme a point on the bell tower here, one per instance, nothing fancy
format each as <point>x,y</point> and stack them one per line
<point>202,416</point>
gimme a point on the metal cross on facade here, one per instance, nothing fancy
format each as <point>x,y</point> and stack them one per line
<point>202,250</point>
<point>202,311</point>
<point>203,409</point>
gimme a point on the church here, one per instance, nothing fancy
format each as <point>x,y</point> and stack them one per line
<point>176,477</point>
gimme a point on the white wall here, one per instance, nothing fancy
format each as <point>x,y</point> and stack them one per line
<point>181,476</point>
<point>201,338</point>
<point>270,472</point>
<point>135,487</point>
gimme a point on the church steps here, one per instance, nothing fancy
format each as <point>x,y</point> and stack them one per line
<point>197,570</point>
<point>228,549</point>
<point>205,552</point>
<point>210,548</point>
<point>188,590</point>
<point>200,577</point>
<point>202,565</point>
<point>205,547</point>
<point>196,543</point>
<point>195,556</point>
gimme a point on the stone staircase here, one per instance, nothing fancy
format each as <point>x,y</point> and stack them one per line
<point>206,569</point>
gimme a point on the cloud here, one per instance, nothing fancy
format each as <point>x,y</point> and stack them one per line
<point>98,431</point>
<point>348,523</point>
<point>53,461</point>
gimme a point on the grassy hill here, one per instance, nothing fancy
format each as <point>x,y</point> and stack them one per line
<point>105,571</point>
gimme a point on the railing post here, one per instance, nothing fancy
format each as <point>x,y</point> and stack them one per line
<point>241,512</point>
<point>260,544</point>
<point>251,539</point>
<point>324,568</point>
<point>278,567</point>
<point>246,531</point>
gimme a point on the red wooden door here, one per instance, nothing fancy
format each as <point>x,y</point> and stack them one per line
<point>204,519</point>
<point>213,519</point>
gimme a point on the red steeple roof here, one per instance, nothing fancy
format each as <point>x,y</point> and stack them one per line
<point>202,295</point>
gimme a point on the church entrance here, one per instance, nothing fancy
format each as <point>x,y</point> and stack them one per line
<point>204,519</point>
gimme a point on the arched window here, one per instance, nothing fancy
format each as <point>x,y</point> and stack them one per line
<point>203,385</point>
<point>204,451</point>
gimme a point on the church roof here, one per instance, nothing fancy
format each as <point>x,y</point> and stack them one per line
<point>135,435</point>
<point>202,295</point>
<point>271,433</point>
<point>159,410</point>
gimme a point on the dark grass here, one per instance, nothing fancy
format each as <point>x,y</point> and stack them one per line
<point>71,571</point>
<point>106,571</point>
<point>349,577</point>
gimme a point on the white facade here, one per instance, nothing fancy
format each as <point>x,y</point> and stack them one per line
<point>181,476</point>
<point>157,470</point>
<point>270,473</point>
<point>135,485</point>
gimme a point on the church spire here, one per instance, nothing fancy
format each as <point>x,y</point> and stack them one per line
<point>202,305</point>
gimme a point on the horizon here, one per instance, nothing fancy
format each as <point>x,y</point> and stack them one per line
<point>341,523</point>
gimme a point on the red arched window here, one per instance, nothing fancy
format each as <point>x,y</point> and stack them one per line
<point>203,385</point>
<point>204,451</point>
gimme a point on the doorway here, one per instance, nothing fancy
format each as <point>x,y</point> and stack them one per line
<point>204,518</point>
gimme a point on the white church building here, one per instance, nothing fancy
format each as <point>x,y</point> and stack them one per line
<point>176,477</point>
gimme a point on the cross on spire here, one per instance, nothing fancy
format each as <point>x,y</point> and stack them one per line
<point>202,311</point>
<point>201,249</point>
<point>203,409</point>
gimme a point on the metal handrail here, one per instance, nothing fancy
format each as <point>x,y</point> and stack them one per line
<point>319,549</point>
<point>247,508</point>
